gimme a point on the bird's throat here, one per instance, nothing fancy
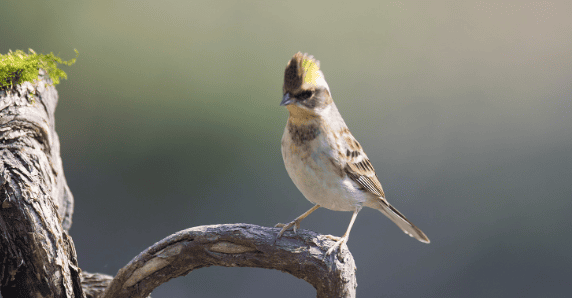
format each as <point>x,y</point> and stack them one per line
<point>301,116</point>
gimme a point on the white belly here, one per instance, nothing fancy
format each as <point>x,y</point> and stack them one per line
<point>313,172</point>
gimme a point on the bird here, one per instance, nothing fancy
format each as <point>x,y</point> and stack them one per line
<point>322,157</point>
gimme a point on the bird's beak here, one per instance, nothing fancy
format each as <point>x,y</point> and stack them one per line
<point>286,100</point>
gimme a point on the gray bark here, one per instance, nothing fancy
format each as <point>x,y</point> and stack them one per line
<point>94,284</point>
<point>38,258</point>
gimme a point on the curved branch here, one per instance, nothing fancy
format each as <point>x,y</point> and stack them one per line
<point>238,245</point>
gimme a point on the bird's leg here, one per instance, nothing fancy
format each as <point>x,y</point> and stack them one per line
<point>295,223</point>
<point>341,241</point>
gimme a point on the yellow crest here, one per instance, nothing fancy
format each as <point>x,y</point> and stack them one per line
<point>302,69</point>
<point>311,70</point>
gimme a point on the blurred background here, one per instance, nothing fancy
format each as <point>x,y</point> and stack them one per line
<point>170,119</point>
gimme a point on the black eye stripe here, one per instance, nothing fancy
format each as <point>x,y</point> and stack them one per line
<point>305,94</point>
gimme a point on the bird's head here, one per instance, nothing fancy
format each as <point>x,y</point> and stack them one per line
<point>305,91</point>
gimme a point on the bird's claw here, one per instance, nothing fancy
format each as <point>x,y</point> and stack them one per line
<point>337,246</point>
<point>295,224</point>
<point>332,237</point>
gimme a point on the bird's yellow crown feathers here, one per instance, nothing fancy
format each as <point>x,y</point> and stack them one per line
<point>311,69</point>
<point>301,69</point>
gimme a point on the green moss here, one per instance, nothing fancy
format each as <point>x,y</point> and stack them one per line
<point>18,67</point>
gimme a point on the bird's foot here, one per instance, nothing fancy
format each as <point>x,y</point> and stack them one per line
<point>332,237</point>
<point>337,246</point>
<point>285,227</point>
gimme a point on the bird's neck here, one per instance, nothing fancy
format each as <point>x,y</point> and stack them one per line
<point>300,116</point>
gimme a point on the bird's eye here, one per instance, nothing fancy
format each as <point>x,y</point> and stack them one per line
<point>305,95</point>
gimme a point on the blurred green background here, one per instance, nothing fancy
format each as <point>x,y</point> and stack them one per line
<point>170,119</point>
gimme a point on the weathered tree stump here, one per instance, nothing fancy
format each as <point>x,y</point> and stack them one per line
<point>38,256</point>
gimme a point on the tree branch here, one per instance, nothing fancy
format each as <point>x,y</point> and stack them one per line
<point>238,245</point>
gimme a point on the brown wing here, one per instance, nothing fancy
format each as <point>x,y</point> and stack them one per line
<point>358,167</point>
<point>363,173</point>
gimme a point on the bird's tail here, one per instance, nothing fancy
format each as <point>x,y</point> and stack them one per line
<point>402,222</point>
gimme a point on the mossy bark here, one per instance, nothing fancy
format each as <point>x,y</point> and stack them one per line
<point>38,257</point>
